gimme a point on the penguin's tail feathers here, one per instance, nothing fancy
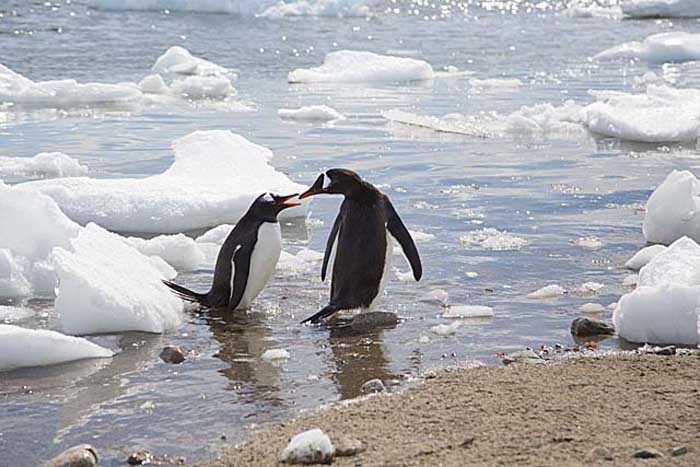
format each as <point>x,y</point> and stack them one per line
<point>187,294</point>
<point>324,313</point>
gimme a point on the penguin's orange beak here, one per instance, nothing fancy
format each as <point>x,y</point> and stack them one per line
<point>315,189</point>
<point>281,201</point>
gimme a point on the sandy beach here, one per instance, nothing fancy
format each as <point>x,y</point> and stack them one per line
<point>584,411</point>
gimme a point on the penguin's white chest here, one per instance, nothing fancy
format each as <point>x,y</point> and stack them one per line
<point>388,254</point>
<point>263,261</point>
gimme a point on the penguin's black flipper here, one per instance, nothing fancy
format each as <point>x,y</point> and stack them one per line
<point>325,311</point>
<point>187,294</point>
<point>329,245</point>
<point>399,231</point>
<point>241,261</point>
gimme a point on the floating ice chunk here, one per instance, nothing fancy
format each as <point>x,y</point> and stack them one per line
<point>13,282</point>
<point>154,84</point>
<point>108,286</point>
<point>588,288</point>
<point>45,165</point>
<point>468,311</point>
<point>179,251</point>
<point>312,113</point>
<point>309,447</point>
<point>179,61</point>
<point>643,256</point>
<point>10,314</point>
<point>661,8</point>
<point>471,274</point>
<point>21,348</point>
<point>593,11</point>
<point>495,85</point>
<point>240,7</point>
<point>216,235</point>
<point>423,339</point>
<point>677,46</point>
<point>492,239</point>
<point>339,8</point>
<point>446,329</point>
<point>355,66</point>
<point>203,87</point>
<point>549,291</point>
<point>663,309</point>
<point>213,180</point>
<point>304,260</point>
<point>436,295</point>
<point>673,209</point>
<point>592,308</point>
<point>17,89</point>
<point>275,354</point>
<point>590,243</point>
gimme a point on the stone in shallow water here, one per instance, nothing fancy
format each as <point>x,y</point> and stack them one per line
<point>373,386</point>
<point>586,327</point>
<point>528,357</point>
<point>173,354</point>
<point>374,319</point>
<point>140,457</point>
<point>309,447</point>
<point>82,455</point>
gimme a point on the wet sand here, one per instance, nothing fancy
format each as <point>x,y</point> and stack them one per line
<point>585,411</point>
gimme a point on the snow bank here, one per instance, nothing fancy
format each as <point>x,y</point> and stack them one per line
<point>179,61</point>
<point>213,180</point>
<point>45,165</point>
<point>661,8</point>
<point>312,113</point>
<point>107,286</point>
<point>21,348</point>
<point>492,239</point>
<point>663,309</point>
<point>643,256</point>
<point>339,8</point>
<point>676,46</point>
<point>673,209</point>
<point>354,66</point>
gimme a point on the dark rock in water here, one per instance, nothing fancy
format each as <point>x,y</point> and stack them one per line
<point>373,386</point>
<point>140,457</point>
<point>647,454</point>
<point>346,447</point>
<point>82,455</point>
<point>598,454</point>
<point>586,327</point>
<point>374,319</point>
<point>679,451</point>
<point>173,354</point>
<point>528,357</point>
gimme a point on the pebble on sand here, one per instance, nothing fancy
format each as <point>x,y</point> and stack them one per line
<point>310,447</point>
<point>173,354</point>
<point>373,386</point>
<point>82,455</point>
<point>346,447</point>
<point>647,454</point>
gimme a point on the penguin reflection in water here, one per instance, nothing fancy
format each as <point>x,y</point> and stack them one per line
<point>247,258</point>
<point>360,239</point>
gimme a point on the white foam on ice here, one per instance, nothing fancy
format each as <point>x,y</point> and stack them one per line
<point>661,8</point>
<point>357,66</point>
<point>339,8</point>
<point>310,447</point>
<point>677,46</point>
<point>492,239</point>
<point>311,113</point>
<point>213,179</point>
<point>643,256</point>
<point>108,286</point>
<point>663,309</point>
<point>275,354</point>
<point>673,209</point>
<point>22,348</point>
<point>468,311</point>
<point>45,165</point>
<point>548,291</point>
<point>179,251</point>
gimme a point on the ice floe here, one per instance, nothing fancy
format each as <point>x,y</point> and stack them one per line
<point>589,243</point>
<point>492,239</point>
<point>179,61</point>
<point>593,10</point>
<point>311,113</point>
<point>179,251</point>
<point>673,209</point>
<point>661,8</point>
<point>22,348</point>
<point>305,260</point>
<point>677,46</point>
<point>436,295</point>
<point>663,309</point>
<point>339,8</point>
<point>468,311</point>
<point>446,329</point>
<point>216,234</point>
<point>588,288</point>
<point>357,66</point>
<point>548,291</point>
<point>275,354</point>
<point>213,179</point>
<point>44,165</point>
<point>643,256</point>
<point>108,286</point>
<point>592,308</point>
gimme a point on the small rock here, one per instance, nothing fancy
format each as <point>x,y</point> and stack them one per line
<point>373,386</point>
<point>585,327</point>
<point>430,375</point>
<point>173,354</point>
<point>468,441</point>
<point>309,447</point>
<point>346,447</point>
<point>374,319</point>
<point>668,350</point>
<point>140,457</point>
<point>82,455</point>
<point>647,454</point>
<point>679,451</point>
<point>597,454</point>
<point>528,357</point>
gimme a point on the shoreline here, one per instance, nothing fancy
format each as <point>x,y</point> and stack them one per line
<point>572,411</point>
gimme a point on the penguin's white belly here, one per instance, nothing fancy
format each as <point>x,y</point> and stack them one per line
<point>263,261</point>
<point>388,254</point>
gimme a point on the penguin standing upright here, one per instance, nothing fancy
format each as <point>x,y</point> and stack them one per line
<point>359,237</point>
<point>247,258</point>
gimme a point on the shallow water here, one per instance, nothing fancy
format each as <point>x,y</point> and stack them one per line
<point>550,191</point>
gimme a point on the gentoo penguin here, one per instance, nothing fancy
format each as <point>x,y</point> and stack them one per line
<point>247,258</point>
<point>359,238</point>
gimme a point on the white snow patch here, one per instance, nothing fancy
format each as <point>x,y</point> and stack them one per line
<point>45,165</point>
<point>213,179</point>
<point>275,354</point>
<point>661,8</point>
<point>643,256</point>
<point>677,46</point>
<point>446,329</point>
<point>673,209</point>
<point>549,291</point>
<point>663,309</point>
<point>311,113</point>
<point>356,66</point>
<point>468,311</point>
<point>21,348</point>
<point>492,239</point>
<point>592,308</point>
<point>309,447</point>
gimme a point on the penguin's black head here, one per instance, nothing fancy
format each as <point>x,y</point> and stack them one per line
<point>267,206</point>
<point>335,181</point>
